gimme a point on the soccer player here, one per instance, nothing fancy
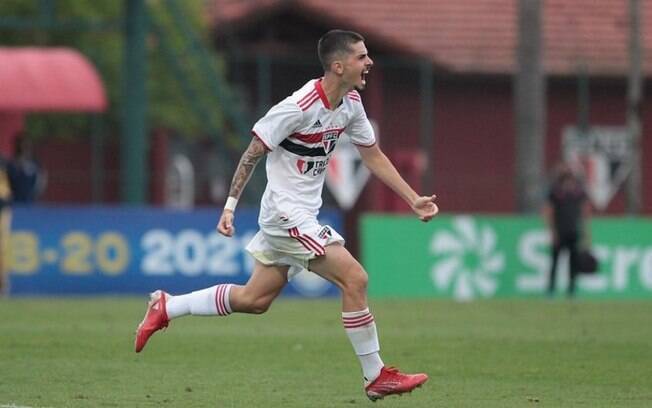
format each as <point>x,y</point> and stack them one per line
<point>298,136</point>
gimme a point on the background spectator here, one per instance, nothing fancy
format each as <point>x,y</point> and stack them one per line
<point>26,176</point>
<point>5,223</point>
<point>566,211</point>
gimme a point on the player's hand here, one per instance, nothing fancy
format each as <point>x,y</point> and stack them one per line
<point>425,207</point>
<point>225,225</point>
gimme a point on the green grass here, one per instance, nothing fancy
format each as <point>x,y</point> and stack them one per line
<point>79,353</point>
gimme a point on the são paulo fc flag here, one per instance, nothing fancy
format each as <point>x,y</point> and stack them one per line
<point>346,176</point>
<point>603,154</point>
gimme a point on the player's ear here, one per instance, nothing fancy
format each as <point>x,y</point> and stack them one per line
<point>337,67</point>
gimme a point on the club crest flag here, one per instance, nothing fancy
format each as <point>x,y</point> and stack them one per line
<point>346,176</point>
<point>603,154</point>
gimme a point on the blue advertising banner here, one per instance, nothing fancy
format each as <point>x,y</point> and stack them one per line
<point>122,250</point>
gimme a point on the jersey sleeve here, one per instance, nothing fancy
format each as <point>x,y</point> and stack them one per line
<point>360,130</point>
<point>279,122</point>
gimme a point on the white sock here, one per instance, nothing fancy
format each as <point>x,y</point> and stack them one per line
<point>361,329</point>
<point>205,302</point>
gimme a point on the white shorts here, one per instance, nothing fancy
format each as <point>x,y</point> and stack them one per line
<point>294,247</point>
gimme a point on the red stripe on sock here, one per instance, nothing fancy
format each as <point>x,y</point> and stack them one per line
<point>367,321</point>
<point>355,319</point>
<point>218,300</point>
<point>224,299</point>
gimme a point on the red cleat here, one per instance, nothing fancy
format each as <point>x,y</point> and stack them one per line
<point>391,381</point>
<point>155,319</point>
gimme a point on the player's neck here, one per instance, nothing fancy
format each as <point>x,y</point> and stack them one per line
<point>334,90</point>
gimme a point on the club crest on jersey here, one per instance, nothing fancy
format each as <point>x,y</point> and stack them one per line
<point>328,140</point>
<point>304,166</point>
<point>325,233</point>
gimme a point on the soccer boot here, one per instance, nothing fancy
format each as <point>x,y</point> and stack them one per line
<point>156,318</point>
<point>391,381</point>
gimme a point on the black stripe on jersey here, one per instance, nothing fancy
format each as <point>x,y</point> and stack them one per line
<point>302,150</point>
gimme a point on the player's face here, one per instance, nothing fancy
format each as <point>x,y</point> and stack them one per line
<point>356,66</point>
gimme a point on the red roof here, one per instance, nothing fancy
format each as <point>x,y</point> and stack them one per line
<point>48,79</point>
<point>475,36</point>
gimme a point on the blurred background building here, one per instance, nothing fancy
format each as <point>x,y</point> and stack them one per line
<point>151,102</point>
<point>443,92</point>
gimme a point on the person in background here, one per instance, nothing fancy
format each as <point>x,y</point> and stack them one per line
<point>5,223</point>
<point>25,174</point>
<point>567,213</point>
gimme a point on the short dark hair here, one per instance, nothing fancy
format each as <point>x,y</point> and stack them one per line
<point>333,42</point>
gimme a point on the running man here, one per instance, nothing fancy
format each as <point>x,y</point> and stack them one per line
<point>298,136</point>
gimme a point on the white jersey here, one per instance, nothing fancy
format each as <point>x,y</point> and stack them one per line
<point>300,133</point>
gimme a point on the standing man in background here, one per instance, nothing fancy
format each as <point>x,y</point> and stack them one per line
<point>298,136</point>
<point>5,224</point>
<point>567,213</point>
<point>26,176</point>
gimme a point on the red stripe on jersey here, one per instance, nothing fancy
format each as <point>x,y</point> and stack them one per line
<point>304,106</point>
<point>307,96</point>
<point>354,96</point>
<point>314,137</point>
<point>311,138</point>
<point>322,94</point>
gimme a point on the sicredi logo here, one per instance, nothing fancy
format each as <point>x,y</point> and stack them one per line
<point>468,261</point>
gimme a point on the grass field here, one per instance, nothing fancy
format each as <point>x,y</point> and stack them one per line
<point>79,353</point>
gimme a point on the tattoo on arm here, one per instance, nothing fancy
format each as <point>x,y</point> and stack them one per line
<point>245,168</point>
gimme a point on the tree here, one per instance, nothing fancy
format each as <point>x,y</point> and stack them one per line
<point>95,29</point>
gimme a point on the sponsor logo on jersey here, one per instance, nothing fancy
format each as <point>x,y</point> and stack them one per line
<point>314,167</point>
<point>305,166</point>
<point>329,139</point>
<point>317,124</point>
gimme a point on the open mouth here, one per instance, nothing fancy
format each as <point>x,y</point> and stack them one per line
<point>363,76</point>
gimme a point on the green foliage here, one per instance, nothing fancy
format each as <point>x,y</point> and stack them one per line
<point>95,29</point>
<point>79,353</point>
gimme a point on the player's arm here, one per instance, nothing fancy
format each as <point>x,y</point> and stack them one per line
<point>382,167</point>
<point>243,173</point>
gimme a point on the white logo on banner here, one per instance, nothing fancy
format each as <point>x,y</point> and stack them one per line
<point>468,260</point>
<point>603,154</point>
<point>347,176</point>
